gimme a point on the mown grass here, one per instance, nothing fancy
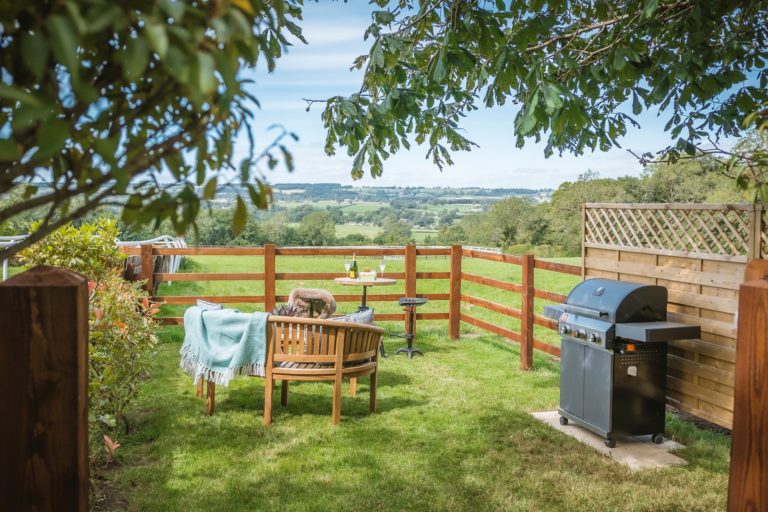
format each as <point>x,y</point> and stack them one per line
<point>453,432</point>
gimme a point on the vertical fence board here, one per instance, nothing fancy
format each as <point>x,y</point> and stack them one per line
<point>454,303</point>
<point>148,268</point>
<point>410,274</point>
<point>526,318</point>
<point>748,485</point>
<point>44,378</point>
<point>269,277</point>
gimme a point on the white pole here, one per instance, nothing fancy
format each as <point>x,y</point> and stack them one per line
<point>5,270</point>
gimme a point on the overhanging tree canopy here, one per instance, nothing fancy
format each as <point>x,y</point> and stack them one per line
<point>132,103</point>
<point>579,71</point>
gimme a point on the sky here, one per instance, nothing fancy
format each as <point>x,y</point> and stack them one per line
<point>320,70</point>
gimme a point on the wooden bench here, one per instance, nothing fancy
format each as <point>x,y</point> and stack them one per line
<point>315,349</point>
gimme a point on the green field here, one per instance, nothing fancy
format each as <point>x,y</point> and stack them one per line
<point>349,229</point>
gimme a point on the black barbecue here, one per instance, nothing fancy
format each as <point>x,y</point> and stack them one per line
<point>613,357</point>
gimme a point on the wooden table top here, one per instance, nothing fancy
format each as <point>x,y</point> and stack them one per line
<point>380,281</point>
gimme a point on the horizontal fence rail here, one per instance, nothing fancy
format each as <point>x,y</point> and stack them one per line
<point>527,291</point>
<point>150,256</point>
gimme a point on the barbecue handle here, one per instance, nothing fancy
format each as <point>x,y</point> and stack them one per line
<point>583,311</point>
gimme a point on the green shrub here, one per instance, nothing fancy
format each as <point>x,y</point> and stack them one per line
<point>120,318</point>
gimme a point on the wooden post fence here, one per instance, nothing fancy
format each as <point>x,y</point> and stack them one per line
<point>44,378</point>
<point>526,316</point>
<point>454,301</point>
<point>748,486</point>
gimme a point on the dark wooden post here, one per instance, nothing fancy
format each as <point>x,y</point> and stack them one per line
<point>44,378</point>
<point>410,274</point>
<point>269,277</point>
<point>454,302</point>
<point>148,268</point>
<point>748,486</point>
<point>526,318</point>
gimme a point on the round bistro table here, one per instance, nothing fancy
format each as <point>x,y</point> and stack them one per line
<point>365,283</point>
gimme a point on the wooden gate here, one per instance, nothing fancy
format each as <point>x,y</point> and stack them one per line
<point>699,252</point>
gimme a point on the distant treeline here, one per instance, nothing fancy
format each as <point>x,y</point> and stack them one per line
<point>516,224</point>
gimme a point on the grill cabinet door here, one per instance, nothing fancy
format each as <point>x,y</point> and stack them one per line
<point>598,388</point>
<point>572,377</point>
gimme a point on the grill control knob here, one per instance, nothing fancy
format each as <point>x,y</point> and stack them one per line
<point>565,329</point>
<point>580,334</point>
<point>593,338</point>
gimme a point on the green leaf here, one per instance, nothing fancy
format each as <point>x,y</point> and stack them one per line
<point>206,65</point>
<point>210,189</point>
<point>9,150</point>
<point>15,93</point>
<point>51,138</point>
<point>34,50</point>
<point>240,217</point>
<point>136,58</point>
<point>650,8</point>
<point>636,106</point>
<point>64,43</point>
<point>157,37</point>
<point>173,8</point>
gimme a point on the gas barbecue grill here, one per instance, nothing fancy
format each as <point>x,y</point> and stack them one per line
<point>613,357</point>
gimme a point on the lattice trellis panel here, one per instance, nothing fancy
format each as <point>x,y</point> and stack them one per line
<point>722,230</point>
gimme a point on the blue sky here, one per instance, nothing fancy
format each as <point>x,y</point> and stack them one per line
<point>321,69</point>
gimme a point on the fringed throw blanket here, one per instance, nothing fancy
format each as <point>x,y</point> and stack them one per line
<point>221,344</point>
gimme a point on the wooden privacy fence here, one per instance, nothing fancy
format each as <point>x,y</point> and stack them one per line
<point>699,252</point>
<point>455,276</point>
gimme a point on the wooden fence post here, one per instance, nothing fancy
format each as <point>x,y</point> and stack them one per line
<point>410,274</point>
<point>747,489</point>
<point>454,302</point>
<point>526,318</point>
<point>269,277</point>
<point>148,268</point>
<point>44,378</point>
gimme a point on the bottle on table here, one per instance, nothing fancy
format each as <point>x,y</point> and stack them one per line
<point>353,274</point>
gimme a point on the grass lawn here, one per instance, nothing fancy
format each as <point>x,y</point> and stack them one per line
<point>452,433</point>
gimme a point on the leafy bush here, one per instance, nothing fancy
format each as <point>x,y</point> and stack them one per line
<point>120,317</point>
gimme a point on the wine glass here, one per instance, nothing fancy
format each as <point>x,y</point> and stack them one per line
<point>382,266</point>
<point>347,266</point>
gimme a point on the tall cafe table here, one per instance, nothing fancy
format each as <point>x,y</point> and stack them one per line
<point>365,283</point>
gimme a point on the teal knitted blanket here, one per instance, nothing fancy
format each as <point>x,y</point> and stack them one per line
<point>223,343</point>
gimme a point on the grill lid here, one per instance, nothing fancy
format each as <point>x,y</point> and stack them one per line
<point>618,301</point>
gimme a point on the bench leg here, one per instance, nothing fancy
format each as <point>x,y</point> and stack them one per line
<point>210,400</point>
<point>336,414</point>
<point>353,387</point>
<point>373,392</point>
<point>284,392</point>
<point>200,385</point>
<point>269,383</point>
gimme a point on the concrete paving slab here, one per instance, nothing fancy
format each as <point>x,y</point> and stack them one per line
<point>634,452</point>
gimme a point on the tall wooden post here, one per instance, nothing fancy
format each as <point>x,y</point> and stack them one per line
<point>148,268</point>
<point>44,378</point>
<point>454,301</point>
<point>748,486</point>
<point>410,274</point>
<point>526,318</point>
<point>269,277</point>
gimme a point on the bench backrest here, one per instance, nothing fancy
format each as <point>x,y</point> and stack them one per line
<point>311,340</point>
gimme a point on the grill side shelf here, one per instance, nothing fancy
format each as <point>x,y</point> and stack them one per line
<point>650,332</point>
